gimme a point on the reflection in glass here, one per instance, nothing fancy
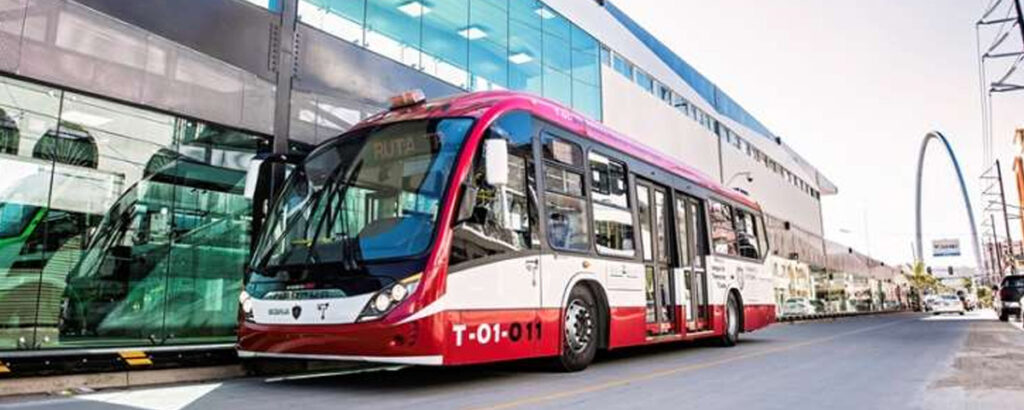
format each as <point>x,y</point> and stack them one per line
<point>474,44</point>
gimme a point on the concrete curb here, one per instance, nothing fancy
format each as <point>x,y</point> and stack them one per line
<point>834,315</point>
<point>123,379</point>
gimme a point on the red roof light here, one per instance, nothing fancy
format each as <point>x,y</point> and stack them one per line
<point>408,98</point>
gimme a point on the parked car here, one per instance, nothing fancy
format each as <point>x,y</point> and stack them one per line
<point>1008,296</point>
<point>929,301</point>
<point>891,305</point>
<point>819,306</point>
<point>798,307</point>
<point>948,304</point>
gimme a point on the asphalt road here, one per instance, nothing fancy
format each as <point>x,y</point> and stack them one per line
<point>891,361</point>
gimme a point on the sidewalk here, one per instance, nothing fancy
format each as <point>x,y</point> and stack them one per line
<point>988,372</point>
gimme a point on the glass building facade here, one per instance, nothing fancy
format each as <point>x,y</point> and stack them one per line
<point>473,44</point>
<point>118,225</point>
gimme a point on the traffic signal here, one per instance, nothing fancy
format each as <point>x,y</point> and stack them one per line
<point>928,269</point>
<point>950,271</point>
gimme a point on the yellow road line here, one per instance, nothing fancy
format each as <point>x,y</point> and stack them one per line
<point>683,369</point>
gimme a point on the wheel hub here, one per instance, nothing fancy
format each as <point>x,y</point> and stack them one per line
<point>579,326</point>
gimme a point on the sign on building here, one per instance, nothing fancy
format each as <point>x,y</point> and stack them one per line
<point>946,247</point>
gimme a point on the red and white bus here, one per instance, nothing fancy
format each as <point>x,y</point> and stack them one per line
<point>497,226</point>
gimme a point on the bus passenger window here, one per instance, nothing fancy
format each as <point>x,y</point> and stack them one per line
<point>504,218</point>
<point>613,222</point>
<point>747,235</point>
<point>723,236</point>
<point>565,199</point>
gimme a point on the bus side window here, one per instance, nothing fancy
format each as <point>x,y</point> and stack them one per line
<point>762,235</point>
<point>504,219</point>
<point>746,235</point>
<point>613,221</point>
<point>723,235</point>
<point>565,199</point>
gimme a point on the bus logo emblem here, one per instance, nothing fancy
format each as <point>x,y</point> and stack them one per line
<point>322,307</point>
<point>296,311</point>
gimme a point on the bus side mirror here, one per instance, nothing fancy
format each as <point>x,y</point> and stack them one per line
<point>496,161</point>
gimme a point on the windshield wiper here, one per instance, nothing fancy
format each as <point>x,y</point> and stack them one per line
<point>339,186</point>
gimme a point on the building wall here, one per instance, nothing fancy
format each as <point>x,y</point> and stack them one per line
<point>778,196</point>
<point>644,117</point>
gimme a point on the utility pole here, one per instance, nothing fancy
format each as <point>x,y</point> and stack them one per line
<point>1002,200</point>
<point>995,248</point>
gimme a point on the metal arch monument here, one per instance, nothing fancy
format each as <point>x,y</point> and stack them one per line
<point>935,135</point>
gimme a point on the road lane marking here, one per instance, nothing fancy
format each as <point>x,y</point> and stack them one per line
<point>162,398</point>
<point>684,369</point>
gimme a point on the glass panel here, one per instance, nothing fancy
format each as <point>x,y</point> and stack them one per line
<point>585,67</point>
<point>723,236</point>
<point>567,222</point>
<point>446,38</point>
<point>557,86</point>
<point>644,81</point>
<point>560,180</point>
<point>116,293</point>
<point>393,28</point>
<point>524,53</point>
<point>661,213</point>
<point>613,231</point>
<point>553,23</point>
<point>746,235</point>
<point>504,218</point>
<point>489,55</point>
<point>586,99</point>
<point>557,54</point>
<point>562,151</point>
<point>683,233</point>
<point>527,12</point>
<point>27,113</point>
<point>210,229</point>
<point>622,66</point>
<point>700,234</point>
<point>608,181</point>
<point>643,205</point>
<point>341,18</point>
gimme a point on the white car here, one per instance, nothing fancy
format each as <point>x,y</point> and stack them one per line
<point>798,307</point>
<point>947,304</point>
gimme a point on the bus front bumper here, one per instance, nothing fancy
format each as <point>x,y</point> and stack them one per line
<point>415,342</point>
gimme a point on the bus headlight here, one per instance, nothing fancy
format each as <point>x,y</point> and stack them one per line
<point>386,299</point>
<point>245,303</point>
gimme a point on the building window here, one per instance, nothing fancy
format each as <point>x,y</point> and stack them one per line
<point>644,81</point>
<point>622,66</point>
<point>613,221</point>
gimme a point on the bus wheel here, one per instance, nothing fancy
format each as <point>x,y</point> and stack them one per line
<point>579,341</point>
<point>732,322</point>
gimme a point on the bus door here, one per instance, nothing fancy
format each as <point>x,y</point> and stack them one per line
<point>692,245</point>
<point>653,206</point>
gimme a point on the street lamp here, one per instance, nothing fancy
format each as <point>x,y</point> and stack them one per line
<point>750,177</point>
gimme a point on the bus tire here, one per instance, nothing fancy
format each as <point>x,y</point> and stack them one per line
<point>731,334</point>
<point>580,332</point>
<point>1003,316</point>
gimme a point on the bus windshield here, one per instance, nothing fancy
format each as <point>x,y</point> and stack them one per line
<point>370,195</point>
